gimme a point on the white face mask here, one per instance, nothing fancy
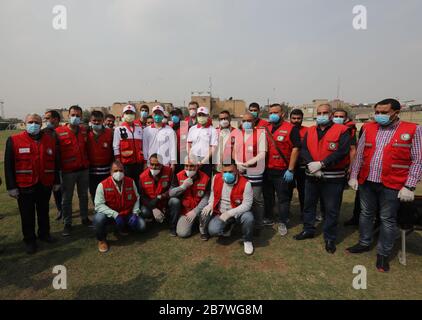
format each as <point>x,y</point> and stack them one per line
<point>118,176</point>
<point>129,118</point>
<point>155,172</point>
<point>224,123</point>
<point>190,174</point>
<point>192,113</point>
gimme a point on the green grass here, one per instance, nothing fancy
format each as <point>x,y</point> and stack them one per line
<point>156,266</point>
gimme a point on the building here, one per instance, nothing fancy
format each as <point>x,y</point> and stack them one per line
<point>235,106</point>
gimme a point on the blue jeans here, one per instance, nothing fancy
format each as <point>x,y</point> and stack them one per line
<point>216,226</point>
<point>101,221</point>
<point>275,183</point>
<point>331,193</point>
<point>374,197</point>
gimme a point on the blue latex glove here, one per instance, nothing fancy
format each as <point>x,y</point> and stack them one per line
<point>133,222</point>
<point>120,222</point>
<point>288,176</point>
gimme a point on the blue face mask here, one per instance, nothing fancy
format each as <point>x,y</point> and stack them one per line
<point>229,177</point>
<point>75,121</point>
<point>338,120</point>
<point>158,118</point>
<point>144,114</point>
<point>33,128</point>
<point>255,114</point>
<point>323,120</point>
<point>247,126</point>
<point>175,119</point>
<point>274,118</point>
<point>50,125</point>
<point>382,119</point>
<point>97,127</point>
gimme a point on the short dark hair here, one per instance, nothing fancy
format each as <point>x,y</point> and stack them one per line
<point>97,114</point>
<point>341,110</point>
<point>150,117</point>
<point>110,116</point>
<point>393,102</point>
<point>75,107</point>
<point>226,112</point>
<point>144,106</point>
<point>54,114</point>
<point>296,112</point>
<point>195,103</point>
<point>254,105</point>
<point>176,111</point>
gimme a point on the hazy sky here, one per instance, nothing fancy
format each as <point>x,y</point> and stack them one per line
<point>119,50</point>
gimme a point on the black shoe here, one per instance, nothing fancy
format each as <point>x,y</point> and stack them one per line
<point>173,233</point>
<point>205,237</point>
<point>358,248</point>
<point>351,223</point>
<point>48,239</point>
<point>31,248</point>
<point>382,263</point>
<point>88,223</point>
<point>59,216</point>
<point>267,222</point>
<point>330,246</point>
<point>67,230</point>
<point>303,236</point>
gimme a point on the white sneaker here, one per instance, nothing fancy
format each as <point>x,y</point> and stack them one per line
<point>248,247</point>
<point>282,229</point>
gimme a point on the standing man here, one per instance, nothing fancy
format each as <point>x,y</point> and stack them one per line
<point>127,144</point>
<point>100,151</point>
<point>202,141</point>
<point>387,169</point>
<point>31,169</point>
<point>144,113</point>
<point>226,138</point>
<point>193,113</point>
<point>325,150</point>
<point>255,110</point>
<point>341,117</point>
<point>160,139</point>
<point>74,166</point>
<point>109,121</point>
<point>283,152</point>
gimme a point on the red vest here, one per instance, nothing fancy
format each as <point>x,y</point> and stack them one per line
<point>228,147</point>
<point>329,144</point>
<point>100,148</point>
<point>122,203</point>
<point>397,156</point>
<point>282,139</point>
<point>193,195</point>
<point>152,189</point>
<point>246,150</point>
<point>262,124</point>
<point>34,160</point>
<point>302,132</point>
<point>236,196</point>
<point>73,149</point>
<point>131,148</point>
<point>352,127</point>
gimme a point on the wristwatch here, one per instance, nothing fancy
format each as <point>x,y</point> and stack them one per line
<point>410,188</point>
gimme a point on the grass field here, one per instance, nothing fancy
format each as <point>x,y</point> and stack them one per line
<point>156,266</point>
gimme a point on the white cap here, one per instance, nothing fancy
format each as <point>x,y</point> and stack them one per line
<point>203,110</point>
<point>159,108</point>
<point>129,108</point>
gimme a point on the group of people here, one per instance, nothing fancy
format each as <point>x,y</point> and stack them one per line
<point>165,168</point>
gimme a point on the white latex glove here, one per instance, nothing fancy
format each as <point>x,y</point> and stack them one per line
<point>187,183</point>
<point>314,166</point>
<point>57,187</point>
<point>190,216</point>
<point>354,184</point>
<point>225,216</point>
<point>14,193</point>
<point>158,215</point>
<point>206,211</point>
<point>405,195</point>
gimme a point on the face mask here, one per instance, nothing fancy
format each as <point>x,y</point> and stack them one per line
<point>255,114</point>
<point>97,127</point>
<point>49,125</point>
<point>224,123</point>
<point>144,114</point>
<point>129,118</point>
<point>323,120</point>
<point>202,120</point>
<point>175,119</point>
<point>155,172</point>
<point>338,120</point>
<point>118,176</point>
<point>192,113</point>
<point>382,119</point>
<point>158,118</point>
<point>247,126</point>
<point>75,121</point>
<point>165,121</point>
<point>190,174</point>
<point>33,128</point>
<point>229,177</point>
<point>274,118</point>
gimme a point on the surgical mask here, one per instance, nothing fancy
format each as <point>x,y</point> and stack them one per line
<point>274,118</point>
<point>118,176</point>
<point>158,118</point>
<point>155,172</point>
<point>129,118</point>
<point>338,120</point>
<point>382,119</point>
<point>75,121</point>
<point>192,113</point>
<point>190,174</point>
<point>165,121</point>
<point>97,127</point>
<point>224,123</point>
<point>229,177</point>
<point>49,125</point>
<point>247,126</point>
<point>33,128</point>
<point>144,114</point>
<point>175,119</point>
<point>255,114</point>
<point>323,120</point>
<point>202,120</point>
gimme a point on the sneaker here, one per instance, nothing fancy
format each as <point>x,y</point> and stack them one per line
<point>88,223</point>
<point>282,229</point>
<point>67,230</point>
<point>205,237</point>
<point>102,246</point>
<point>31,248</point>
<point>358,248</point>
<point>267,222</point>
<point>173,233</point>
<point>248,247</point>
<point>382,263</point>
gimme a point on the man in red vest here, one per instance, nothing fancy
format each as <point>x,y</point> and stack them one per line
<point>73,139</point>
<point>116,202</point>
<point>283,152</point>
<point>155,183</point>
<point>325,150</point>
<point>387,168</point>
<point>189,195</point>
<point>100,151</point>
<point>255,110</point>
<point>109,121</point>
<point>230,202</point>
<point>31,169</point>
<point>226,137</point>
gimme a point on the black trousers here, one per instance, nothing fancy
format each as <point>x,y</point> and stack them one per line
<point>133,171</point>
<point>31,202</point>
<point>94,181</point>
<point>299,183</point>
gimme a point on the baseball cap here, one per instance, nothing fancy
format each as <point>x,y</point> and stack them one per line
<point>129,108</point>
<point>203,110</point>
<point>158,108</point>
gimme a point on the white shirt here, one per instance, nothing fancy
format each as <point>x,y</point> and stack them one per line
<point>202,139</point>
<point>162,141</point>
